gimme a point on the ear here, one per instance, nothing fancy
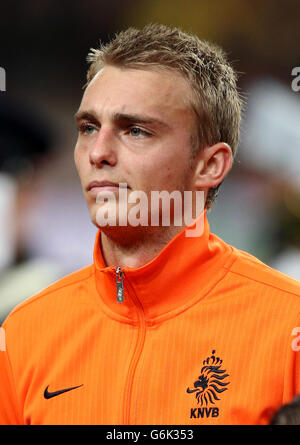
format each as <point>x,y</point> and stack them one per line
<point>212,165</point>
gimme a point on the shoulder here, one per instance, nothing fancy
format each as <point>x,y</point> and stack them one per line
<point>56,295</point>
<point>251,269</point>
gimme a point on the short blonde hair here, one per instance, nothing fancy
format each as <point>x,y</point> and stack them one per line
<point>216,101</point>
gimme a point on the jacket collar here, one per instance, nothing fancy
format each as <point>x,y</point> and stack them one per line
<point>182,274</point>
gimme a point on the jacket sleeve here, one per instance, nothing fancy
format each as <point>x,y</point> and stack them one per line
<point>10,413</point>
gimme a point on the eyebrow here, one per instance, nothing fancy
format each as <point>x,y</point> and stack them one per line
<point>121,118</point>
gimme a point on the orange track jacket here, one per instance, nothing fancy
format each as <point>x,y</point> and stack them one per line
<point>202,334</point>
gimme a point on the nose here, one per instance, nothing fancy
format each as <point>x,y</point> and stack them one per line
<point>103,151</point>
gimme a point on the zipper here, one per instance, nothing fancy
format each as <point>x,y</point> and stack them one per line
<point>139,341</point>
<point>120,286</point>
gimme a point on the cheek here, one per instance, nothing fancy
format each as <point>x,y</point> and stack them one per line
<point>79,161</point>
<point>158,176</point>
<point>76,156</point>
<point>168,176</point>
<point>160,179</point>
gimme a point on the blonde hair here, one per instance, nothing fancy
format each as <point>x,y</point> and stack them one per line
<point>216,100</point>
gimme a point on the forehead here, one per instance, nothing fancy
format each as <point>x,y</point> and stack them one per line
<point>138,90</point>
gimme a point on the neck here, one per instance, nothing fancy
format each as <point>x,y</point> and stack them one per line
<point>136,247</point>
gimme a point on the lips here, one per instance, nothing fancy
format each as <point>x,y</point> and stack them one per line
<point>99,184</point>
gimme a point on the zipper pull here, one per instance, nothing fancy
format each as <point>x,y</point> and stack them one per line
<point>120,287</point>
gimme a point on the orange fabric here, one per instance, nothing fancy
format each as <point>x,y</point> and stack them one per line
<point>205,335</point>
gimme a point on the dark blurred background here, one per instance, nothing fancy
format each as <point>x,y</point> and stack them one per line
<point>45,231</point>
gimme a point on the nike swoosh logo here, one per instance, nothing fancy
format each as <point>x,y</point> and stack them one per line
<point>49,395</point>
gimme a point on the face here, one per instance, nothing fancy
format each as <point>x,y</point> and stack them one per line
<point>134,127</point>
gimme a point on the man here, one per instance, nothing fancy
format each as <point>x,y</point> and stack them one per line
<point>164,327</point>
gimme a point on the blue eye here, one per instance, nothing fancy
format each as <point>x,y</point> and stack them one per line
<point>86,129</point>
<point>136,131</point>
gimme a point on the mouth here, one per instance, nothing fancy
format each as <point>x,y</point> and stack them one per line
<point>95,187</point>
